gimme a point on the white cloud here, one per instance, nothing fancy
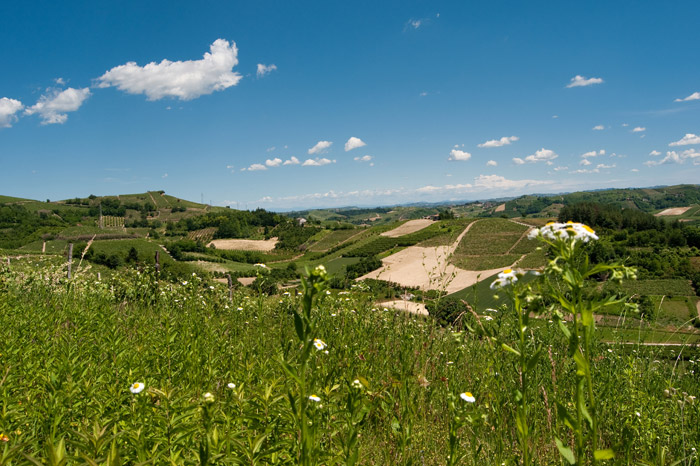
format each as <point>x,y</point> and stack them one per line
<point>60,81</point>
<point>504,141</point>
<point>165,175</point>
<point>354,143</point>
<point>270,149</point>
<point>265,69</point>
<point>585,162</point>
<point>276,162</point>
<point>320,147</point>
<point>415,23</point>
<point>686,140</point>
<point>625,124</point>
<point>639,129</point>
<point>459,155</point>
<point>184,80</point>
<point>560,168</point>
<point>499,182</point>
<point>555,116</point>
<point>654,153</point>
<point>579,81</point>
<point>598,128</point>
<point>593,154</point>
<point>256,167</point>
<point>602,166</point>
<point>316,162</point>
<point>635,170</point>
<point>8,109</point>
<point>52,107</point>
<point>364,158</point>
<point>542,155</point>
<point>292,161</point>
<point>585,171</point>
<point>492,163</point>
<point>693,96</point>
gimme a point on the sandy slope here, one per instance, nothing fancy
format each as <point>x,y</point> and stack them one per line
<point>428,268</point>
<point>673,211</point>
<point>409,227</point>
<point>408,306</point>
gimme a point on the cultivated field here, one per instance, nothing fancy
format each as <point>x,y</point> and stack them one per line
<point>409,227</point>
<point>673,211</point>
<point>245,244</point>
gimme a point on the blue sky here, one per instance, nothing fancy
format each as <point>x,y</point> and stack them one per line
<point>303,104</point>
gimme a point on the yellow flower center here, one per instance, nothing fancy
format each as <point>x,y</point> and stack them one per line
<point>469,394</point>
<point>136,385</point>
<point>588,229</point>
<point>507,271</point>
<point>550,223</point>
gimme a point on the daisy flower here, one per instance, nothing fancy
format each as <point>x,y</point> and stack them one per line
<point>231,385</point>
<point>208,397</point>
<point>137,387</point>
<point>319,344</point>
<point>314,398</point>
<point>468,397</point>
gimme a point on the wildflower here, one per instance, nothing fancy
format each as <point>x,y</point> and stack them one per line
<point>507,277</point>
<point>184,283</point>
<point>491,310</point>
<point>488,318</point>
<point>262,266</point>
<point>240,308</point>
<point>208,397</point>
<point>319,344</point>
<point>468,397</point>
<point>4,438</point>
<point>314,398</point>
<point>568,230</point>
<point>356,383</point>
<point>638,414</point>
<point>137,387</point>
<point>231,385</point>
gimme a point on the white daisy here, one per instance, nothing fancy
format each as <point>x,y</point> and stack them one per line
<point>137,387</point>
<point>468,397</point>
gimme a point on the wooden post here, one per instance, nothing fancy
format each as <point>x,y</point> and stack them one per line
<point>70,259</point>
<point>99,276</point>
<point>8,262</point>
<point>230,287</point>
<point>157,262</point>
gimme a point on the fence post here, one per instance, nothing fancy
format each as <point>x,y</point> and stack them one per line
<point>230,287</point>
<point>70,259</point>
<point>157,262</point>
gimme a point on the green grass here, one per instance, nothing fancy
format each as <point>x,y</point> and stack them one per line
<point>660,287</point>
<point>486,262</point>
<point>146,249</point>
<point>337,266</point>
<point>332,239</point>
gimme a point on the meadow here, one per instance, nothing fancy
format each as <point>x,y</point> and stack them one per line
<point>138,370</point>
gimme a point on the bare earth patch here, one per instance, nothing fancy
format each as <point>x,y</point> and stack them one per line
<point>245,281</point>
<point>500,208</point>
<point>409,227</point>
<point>673,211</point>
<point>428,268</point>
<point>245,244</point>
<point>408,306</point>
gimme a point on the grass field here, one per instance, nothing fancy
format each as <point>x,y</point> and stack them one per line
<point>491,243</point>
<point>333,239</point>
<point>146,249</point>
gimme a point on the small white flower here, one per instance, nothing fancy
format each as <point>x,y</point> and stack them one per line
<point>137,387</point>
<point>319,344</point>
<point>491,310</point>
<point>231,385</point>
<point>208,397</point>
<point>184,283</point>
<point>468,397</point>
<point>488,318</point>
<point>356,383</point>
<point>262,266</point>
<point>314,398</point>
<point>240,308</point>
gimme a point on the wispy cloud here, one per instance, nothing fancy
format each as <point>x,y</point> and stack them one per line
<point>265,69</point>
<point>639,129</point>
<point>580,81</point>
<point>675,157</point>
<point>654,153</point>
<point>459,155</point>
<point>8,111</point>
<point>184,80</point>
<point>598,128</point>
<point>491,163</point>
<point>693,96</point>
<point>364,158</point>
<point>686,140</point>
<point>354,143</point>
<point>320,147</point>
<point>593,154</point>
<point>54,106</point>
<point>504,141</point>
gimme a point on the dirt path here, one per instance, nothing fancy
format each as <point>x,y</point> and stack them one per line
<point>518,242</point>
<point>429,268</point>
<point>408,306</point>
<point>500,208</point>
<point>245,244</point>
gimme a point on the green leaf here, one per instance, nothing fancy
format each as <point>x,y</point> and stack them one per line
<point>510,349</point>
<point>299,326</point>
<point>565,451</point>
<point>562,327</point>
<point>532,362</point>
<point>602,455</point>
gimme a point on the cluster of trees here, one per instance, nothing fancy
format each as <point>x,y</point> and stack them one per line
<point>19,226</point>
<point>291,235</point>
<point>365,266</point>
<point>229,223</point>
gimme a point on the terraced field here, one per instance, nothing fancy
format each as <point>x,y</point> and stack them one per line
<point>334,238</point>
<point>492,243</point>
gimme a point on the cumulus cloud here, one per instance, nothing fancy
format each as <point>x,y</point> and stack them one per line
<point>354,143</point>
<point>491,163</point>
<point>265,69</point>
<point>693,96</point>
<point>504,141</point>
<point>686,140</point>
<point>364,158</point>
<point>593,154</point>
<point>255,167</point>
<point>499,182</point>
<point>560,168</point>
<point>276,162</point>
<point>639,129</point>
<point>316,162</point>
<point>598,128</point>
<point>54,106</point>
<point>185,80</point>
<point>585,162</point>
<point>542,155</point>
<point>320,147</point>
<point>459,155</point>
<point>675,157</point>
<point>654,153</point>
<point>580,81</point>
<point>602,166</point>
<point>292,161</point>
<point>8,110</point>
